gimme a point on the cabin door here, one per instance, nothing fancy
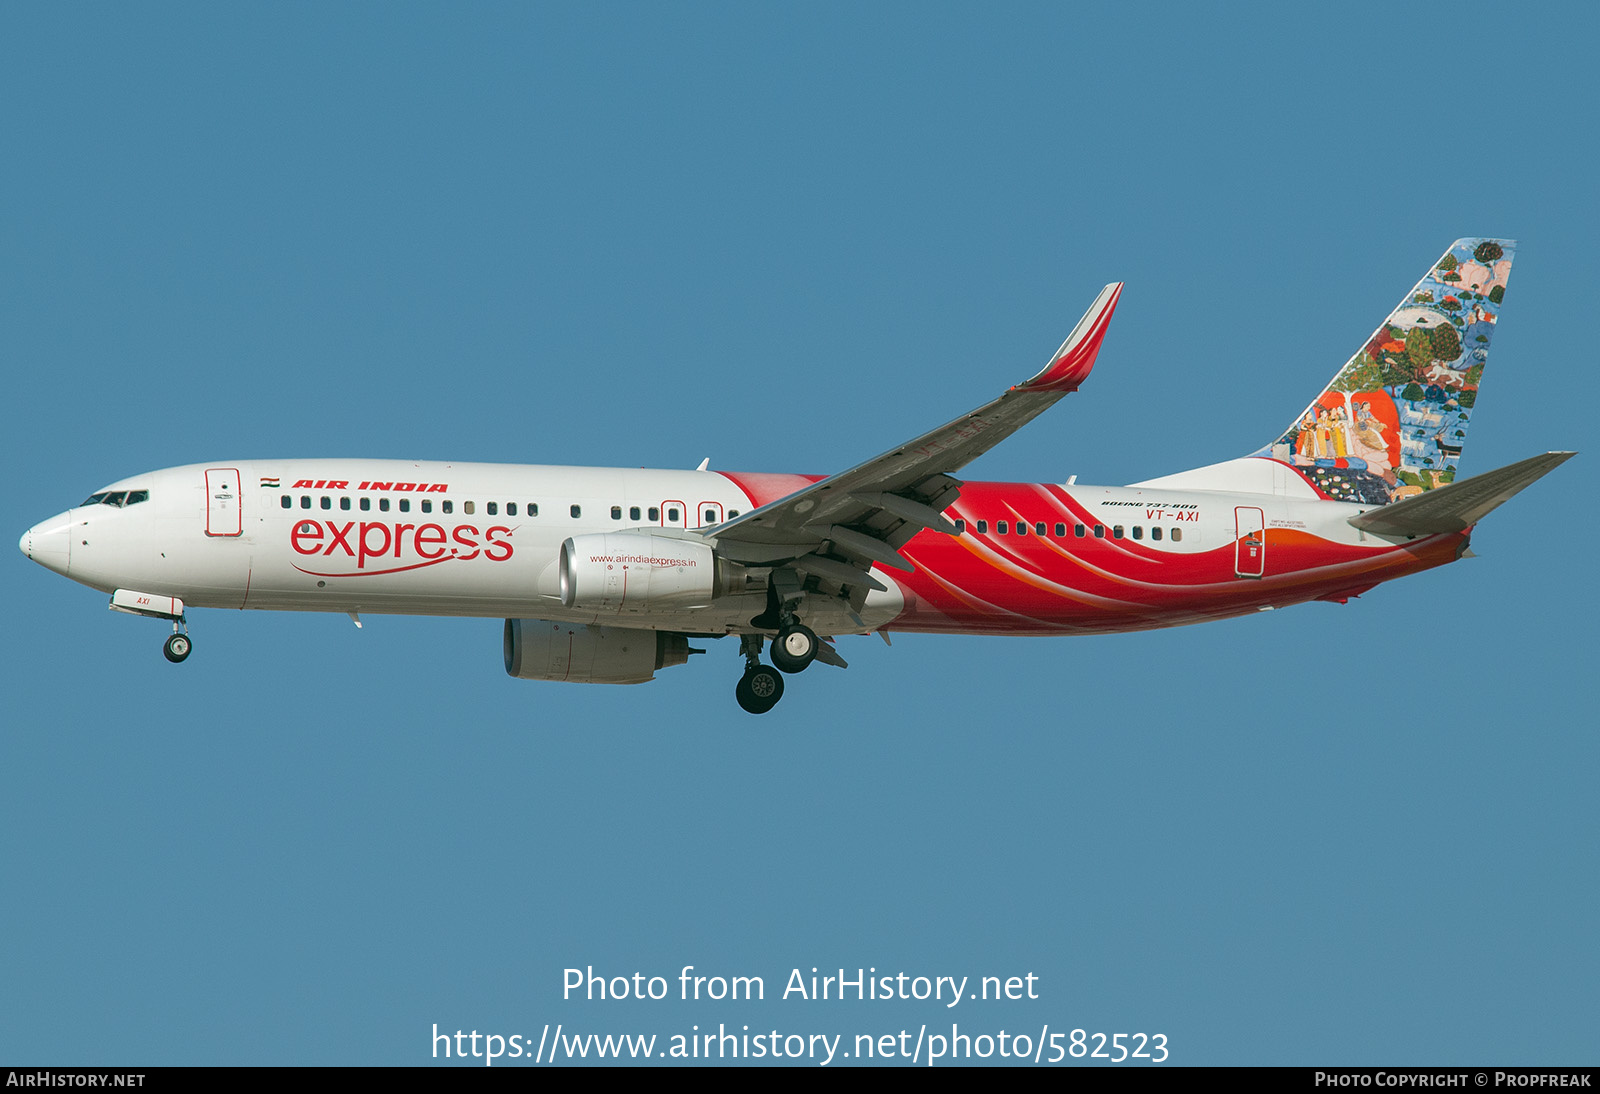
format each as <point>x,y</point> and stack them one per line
<point>223,495</point>
<point>1250,542</point>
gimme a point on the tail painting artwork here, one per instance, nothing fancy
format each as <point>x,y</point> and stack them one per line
<point>1392,423</point>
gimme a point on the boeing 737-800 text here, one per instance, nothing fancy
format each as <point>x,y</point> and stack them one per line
<point>604,575</point>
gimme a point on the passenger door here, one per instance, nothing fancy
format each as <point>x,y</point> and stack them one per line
<point>223,496</point>
<point>1250,542</point>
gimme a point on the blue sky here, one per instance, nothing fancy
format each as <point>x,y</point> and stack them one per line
<point>787,238</point>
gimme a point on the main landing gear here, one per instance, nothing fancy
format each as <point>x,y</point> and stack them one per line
<point>795,648</point>
<point>760,687</point>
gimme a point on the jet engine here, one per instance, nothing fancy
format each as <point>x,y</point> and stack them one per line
<point>642,572</point>
<point>537,649</point>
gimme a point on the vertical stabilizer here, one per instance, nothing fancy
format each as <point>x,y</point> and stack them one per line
<point>1393,422</point>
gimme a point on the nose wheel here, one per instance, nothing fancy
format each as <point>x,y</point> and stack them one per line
<point>177,646</point>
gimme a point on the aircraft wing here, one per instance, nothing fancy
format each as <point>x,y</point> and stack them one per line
<point>837,528</point>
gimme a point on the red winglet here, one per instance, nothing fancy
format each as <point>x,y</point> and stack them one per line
<point>1075,359</point>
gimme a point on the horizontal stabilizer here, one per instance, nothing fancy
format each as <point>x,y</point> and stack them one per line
<point>1459,505</point>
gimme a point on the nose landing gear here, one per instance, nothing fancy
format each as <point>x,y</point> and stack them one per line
<point>154,606</point>
<point>177,646</point>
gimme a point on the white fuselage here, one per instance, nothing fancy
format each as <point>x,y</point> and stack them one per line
<point>433,538</point>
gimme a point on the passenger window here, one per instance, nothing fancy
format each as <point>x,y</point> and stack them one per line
<point>533,508</point>
<point>1155,533</point>
<point>405,505</point>
<point>467,507</point>
<point>1099,531</point>
<point>288,502</point>
<point>1022,528</point>
<point>427,506</point>
<point>305,501</point>
<point>1138,532</point>
<point>492,509</point>
<point>732,513</point>
<point>344,503</point>
<point>511,508</point>
<point>1116,531</point>
<point>1177,534</point>
<point>577,511</point>
<point>366,504</point>
<point>1077,530</point>
<point>961,527</point>
<point>383,505</point>
<point>1061,531</point>
<point>983,527</point>
<point>327,502</point>
<point>633,512</point>
<point>447,506</point>
<point>1001,526</point>
<point>655,514</point>
<point>616,512</point>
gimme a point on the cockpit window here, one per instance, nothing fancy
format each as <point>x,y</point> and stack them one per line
<point>118,498</point>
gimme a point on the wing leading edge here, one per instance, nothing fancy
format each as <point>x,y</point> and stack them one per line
<point>837,528</point>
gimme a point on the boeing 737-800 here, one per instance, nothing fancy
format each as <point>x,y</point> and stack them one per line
<point>604,575</point>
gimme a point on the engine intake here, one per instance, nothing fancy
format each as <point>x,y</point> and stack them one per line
<point>641,572</point>
<point>537,649</point>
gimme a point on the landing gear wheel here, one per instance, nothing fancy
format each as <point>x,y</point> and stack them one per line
<point>795,648</point>
<point>759,689</point>
<point>177,647</point>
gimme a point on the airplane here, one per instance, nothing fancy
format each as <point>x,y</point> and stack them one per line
<point>604,575</point>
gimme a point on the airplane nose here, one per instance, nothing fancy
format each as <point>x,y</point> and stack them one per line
<point>49,543</point>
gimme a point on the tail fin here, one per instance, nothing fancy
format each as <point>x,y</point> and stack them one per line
<point>1393,422</point>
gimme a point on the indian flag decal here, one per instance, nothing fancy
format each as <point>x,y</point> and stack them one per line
<point>273,482</point>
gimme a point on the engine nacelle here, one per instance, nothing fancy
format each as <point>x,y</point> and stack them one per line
<point>641,572</point>
<point>537,649</point>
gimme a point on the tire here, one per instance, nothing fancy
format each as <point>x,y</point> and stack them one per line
<point>176,648</point>
<point>795,648</point>
<point>759,690</point>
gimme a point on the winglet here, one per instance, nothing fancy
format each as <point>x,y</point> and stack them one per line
<point>1071,364</point>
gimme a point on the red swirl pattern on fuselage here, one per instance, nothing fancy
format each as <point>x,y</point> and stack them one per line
<point>1033,584</point>
<point>979,583</point>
